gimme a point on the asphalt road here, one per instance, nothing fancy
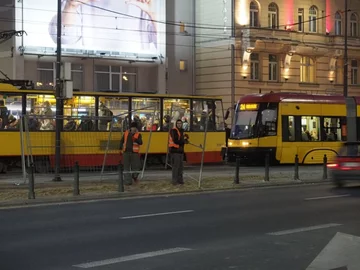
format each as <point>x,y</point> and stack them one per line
<point>250,229</point>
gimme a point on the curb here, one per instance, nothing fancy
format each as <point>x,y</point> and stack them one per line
<point>120,196</point>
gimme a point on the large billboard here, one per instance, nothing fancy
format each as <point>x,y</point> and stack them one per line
<point>116,26</point>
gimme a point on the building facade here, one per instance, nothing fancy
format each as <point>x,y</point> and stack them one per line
<point>111,45</point>
<point>284,45</point>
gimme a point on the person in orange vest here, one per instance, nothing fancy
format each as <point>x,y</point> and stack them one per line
<point>130,146</point>
<point>177,140</point>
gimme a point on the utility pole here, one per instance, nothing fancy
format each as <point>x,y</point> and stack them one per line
<point>58,120</point>
<point>346,51</point>
<point>351,106</point>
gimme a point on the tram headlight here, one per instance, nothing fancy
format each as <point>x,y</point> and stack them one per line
<point>245,144</point>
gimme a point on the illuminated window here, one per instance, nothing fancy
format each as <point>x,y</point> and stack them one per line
<point>273,68</point>
<point>310,128</point>
<point>10,112</point>
<point>300,19</point>
<point>254,14</point>
<point>115,79</point>
<point>332,129</point>
<point>354,72</point>
<point>339,71</point>
<point>182,65</point>
<point>337,24</point>
<point>175,109</point>
<point>255,66</point>
<point>45,75</point>
<point>128,79</point>
<point>203,113</point>
<point>353,25</point>
<point>313,19</point>
<point>307,70</point>
<point>110,107</point>
<point>41,105</point>
<point>273,16</point>
<point>182,27</point>
<point>146,113</point>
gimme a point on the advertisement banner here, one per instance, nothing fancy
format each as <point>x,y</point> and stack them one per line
<point>116,26</point>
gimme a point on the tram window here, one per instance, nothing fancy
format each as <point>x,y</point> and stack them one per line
<point>146,113</point>
<point>43,106</point>
<point>117,107</point>
<point>288,123</point>
<point>75,110</point>
<point>331,130</point>
<point>175,109</point>
<point>310,128</point>
<point>10,111</point>
<point>219,115</point>
<point>203,112</point>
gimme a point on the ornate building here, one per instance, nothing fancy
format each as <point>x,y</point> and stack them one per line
<point>247,47</point>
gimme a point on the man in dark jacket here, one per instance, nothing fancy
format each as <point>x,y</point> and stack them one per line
<point>177,140</point>
<point>130,145</point>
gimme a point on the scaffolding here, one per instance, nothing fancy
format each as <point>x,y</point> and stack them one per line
<point>200,146</point>
<point>122,133</point>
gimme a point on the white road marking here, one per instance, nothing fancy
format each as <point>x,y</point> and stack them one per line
<point>327,197</point>
<point>305,229</point>
<point>158,214</point>
<point>131,257</point>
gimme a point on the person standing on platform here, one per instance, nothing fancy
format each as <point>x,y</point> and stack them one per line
<point>130,145</point>
<point>177,140</point>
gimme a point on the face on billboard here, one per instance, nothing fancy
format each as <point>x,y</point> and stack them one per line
<point>123,26</point>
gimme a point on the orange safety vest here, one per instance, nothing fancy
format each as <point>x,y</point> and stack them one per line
<point>171,141</point>
<point>136,147</point>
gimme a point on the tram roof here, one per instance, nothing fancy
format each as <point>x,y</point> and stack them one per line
<point>294,98</point>
<point>8,88</point>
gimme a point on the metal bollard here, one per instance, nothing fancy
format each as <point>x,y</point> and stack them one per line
<point>237,171</point>
<point>267,166</point>
<point>121,178</point>
<point>76,191</point>
<point>296,175</point>
<point>31,194</point>
<point>325,168</point>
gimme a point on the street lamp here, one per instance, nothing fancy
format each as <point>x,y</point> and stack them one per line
<point>351,106</point>
<point>346,51</point>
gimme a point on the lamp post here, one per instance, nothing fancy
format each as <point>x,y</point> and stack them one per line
<point>346,51</point>
<point>351,106</point>
<point>58,122</point>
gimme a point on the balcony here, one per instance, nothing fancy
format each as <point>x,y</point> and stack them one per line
<point>264,34</point>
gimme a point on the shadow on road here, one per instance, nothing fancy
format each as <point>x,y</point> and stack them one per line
<point>353,191</point>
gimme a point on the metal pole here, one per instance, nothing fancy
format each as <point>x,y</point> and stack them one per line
<point>121,178</point>
<point>203,148</point>
<point>58,96</point>
<point>346,51</point>
<point>167,142</point>
<point>76,179</point>
<point>296,175</point>
<point>267,165</point>
<point>148,146</point>
<point>107,147</point>
<point>23,161</point>
<point>325,168</point>
<point>237,171</point>
<point>31,194</point>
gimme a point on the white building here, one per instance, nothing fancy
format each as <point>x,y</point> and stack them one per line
<point>111,45</point>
